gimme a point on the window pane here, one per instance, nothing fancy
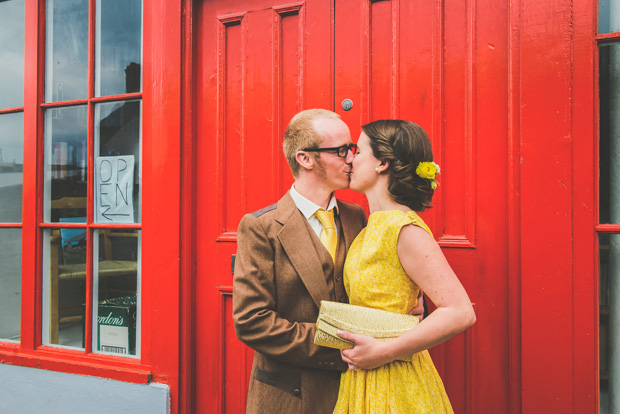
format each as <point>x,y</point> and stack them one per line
<point>608,16</point>
<point>12,25</point>
<point>609,81</point>
<point>603,16</point>
<point>11,166</point>
<point>64,294</point>
<point>10,283</point>
<point>65,164</point>
<point>116,307</point>
<point>118,47</point>
<point>117,162</point>
<point>609,335</point>
<point>66,68</point>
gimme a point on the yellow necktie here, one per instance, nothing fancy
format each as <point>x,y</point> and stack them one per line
<point>328,234</point>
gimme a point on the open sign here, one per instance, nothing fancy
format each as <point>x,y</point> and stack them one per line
<point>114,189</point>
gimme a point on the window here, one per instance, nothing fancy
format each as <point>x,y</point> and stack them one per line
<point>609,204</point>
<point>92,176</point>
<point>11,165</point>
<point>88,187</point>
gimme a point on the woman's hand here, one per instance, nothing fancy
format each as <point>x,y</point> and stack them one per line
<point>368,353</point>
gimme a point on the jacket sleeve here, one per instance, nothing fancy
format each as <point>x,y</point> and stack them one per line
<point>257,321</point>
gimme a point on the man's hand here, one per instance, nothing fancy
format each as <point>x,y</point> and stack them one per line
<point>419,308</point>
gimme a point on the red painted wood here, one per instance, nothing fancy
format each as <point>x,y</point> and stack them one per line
<point>403,71</point>
<point>75,362</point>
<point>187,389</point>
<point>585,268</point>
<point>258,65</point>
<point>507,93</point>
<point>382,62</point>
<point>161,203</point>
<point>351,57</point>
<point>546,268</point>
<point>514,217</point>
<point>33,94</point>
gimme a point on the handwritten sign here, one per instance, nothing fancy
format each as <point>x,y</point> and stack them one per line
<point>114,189</point>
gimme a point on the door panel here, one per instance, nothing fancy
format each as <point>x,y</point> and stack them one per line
<point>442,65</point>
<point>258,63</point>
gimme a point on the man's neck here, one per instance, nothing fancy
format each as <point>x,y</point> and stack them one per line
<point>318,194</point>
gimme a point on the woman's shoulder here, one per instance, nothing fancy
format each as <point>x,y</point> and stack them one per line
<point>396,219</point>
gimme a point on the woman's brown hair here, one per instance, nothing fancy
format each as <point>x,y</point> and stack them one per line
<point>404,145</point>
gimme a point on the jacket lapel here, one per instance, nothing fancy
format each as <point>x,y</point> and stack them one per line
<point>297,244</point>
<point>350,227</point>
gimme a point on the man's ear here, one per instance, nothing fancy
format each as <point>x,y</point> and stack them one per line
<point>385,164</point>
<point>305,160</point>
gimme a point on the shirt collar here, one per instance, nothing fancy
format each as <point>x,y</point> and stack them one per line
<point>307,207</point>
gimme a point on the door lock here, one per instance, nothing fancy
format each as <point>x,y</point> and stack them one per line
<point>347,104</point>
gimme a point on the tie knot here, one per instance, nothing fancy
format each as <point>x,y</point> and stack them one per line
<point>326,218</point>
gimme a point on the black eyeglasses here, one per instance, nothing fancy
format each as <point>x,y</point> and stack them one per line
<point>341,151</point>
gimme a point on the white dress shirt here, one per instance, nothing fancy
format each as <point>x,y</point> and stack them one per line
<point>308,209</point>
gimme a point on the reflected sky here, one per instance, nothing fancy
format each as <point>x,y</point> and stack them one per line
<point>12,137</point>
<point>119,47</point>
<point>66,66</point>
<point>12,53</point>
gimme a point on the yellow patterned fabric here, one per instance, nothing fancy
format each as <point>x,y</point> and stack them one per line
<point>374,277</point>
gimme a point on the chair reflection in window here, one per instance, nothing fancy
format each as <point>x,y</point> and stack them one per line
<point>116,267</point>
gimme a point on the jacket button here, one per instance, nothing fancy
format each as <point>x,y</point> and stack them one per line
<point>320,363</point>
<point>296,392</point>
<point>338,279</point>
<point>332,364</point>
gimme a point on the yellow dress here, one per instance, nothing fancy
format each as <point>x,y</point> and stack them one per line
<point>374,277</point>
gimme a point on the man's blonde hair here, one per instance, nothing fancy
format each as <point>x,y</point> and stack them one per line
<point>300,133</point>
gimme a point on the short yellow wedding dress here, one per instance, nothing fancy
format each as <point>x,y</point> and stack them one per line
<point>374,277</point>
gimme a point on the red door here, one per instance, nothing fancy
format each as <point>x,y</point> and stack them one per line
<point>258,62</point>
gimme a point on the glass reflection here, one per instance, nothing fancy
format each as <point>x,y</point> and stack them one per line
<point>118,47</point>
<point>609,92</point>
<point>117,162</point>
<point>10,283</point>
<point>65,286</point>
<point>116,291</point>
<point>66,68</point>
<point>12,25</point>
<point>65,163</point>
<point>11,166</point>
<point>609,311</point>
<point>608,16</point>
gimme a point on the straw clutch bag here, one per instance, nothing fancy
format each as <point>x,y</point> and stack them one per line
<point>379,324</point>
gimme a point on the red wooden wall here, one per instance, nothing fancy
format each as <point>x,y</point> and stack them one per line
<point>554,82</point>
<point>506,91</point>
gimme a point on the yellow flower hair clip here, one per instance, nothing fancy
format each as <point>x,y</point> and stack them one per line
<point>429,170</point>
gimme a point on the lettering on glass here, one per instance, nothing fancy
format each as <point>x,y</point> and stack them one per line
<point>114,189</point>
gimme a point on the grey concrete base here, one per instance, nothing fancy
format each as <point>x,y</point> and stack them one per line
<point>34,391</point>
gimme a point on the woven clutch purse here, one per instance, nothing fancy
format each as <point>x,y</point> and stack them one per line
<point>379,324</point>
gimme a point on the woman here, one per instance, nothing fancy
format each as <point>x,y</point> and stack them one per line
<point>388,263</point>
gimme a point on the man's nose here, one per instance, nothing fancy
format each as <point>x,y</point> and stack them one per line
<point>349,158</point>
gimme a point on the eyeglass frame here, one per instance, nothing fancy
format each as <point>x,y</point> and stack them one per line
<point>336,150</point>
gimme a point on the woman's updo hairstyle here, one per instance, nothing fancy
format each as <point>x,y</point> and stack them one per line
<point>404,145</point>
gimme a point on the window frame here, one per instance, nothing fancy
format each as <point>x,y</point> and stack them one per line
<point>599,228</point>
<point>161,120</point>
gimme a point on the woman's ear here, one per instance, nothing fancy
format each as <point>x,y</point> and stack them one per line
<point>385,164</point>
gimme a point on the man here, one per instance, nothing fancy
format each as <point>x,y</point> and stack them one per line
<point>283,271</point>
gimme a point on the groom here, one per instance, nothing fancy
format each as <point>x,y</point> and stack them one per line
<point>283,270</point>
